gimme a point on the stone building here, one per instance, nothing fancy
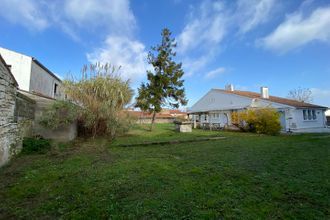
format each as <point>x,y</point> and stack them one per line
<point>10,143</point>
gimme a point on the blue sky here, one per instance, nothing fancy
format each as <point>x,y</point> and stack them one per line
<point>249,43</point>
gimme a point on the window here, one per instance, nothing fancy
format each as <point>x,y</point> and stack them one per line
<point>305,114</point>
<point>55,88</point>
<point>314,114</point>
<point>309,115</point>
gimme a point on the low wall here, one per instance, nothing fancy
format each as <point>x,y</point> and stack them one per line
<point>157,120</point>
<point>65,133</point>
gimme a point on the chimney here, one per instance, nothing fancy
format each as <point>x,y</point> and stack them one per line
<point>264,92</point>
<point>229,87</point>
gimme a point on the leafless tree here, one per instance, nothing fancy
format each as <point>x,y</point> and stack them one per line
<point>301,94</point>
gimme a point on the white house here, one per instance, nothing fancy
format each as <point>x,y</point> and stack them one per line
<point>215,109</point>
<point>31,75</point>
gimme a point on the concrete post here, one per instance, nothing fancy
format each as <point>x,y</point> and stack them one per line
<point>195,123</point>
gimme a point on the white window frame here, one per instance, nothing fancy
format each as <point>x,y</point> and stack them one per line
<point>309,115</point>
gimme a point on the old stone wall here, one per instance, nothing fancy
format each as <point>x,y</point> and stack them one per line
<point>9,141</point>
<point>25,107</point>
<point>24,114</point>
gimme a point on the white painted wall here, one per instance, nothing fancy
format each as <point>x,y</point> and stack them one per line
<point>42,82</point>
<point>218,100</point>
<point>20,67</point>
<point>298,123</point>
<point>29,75</point>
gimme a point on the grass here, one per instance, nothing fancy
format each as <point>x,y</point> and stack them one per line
<point>244,176</point>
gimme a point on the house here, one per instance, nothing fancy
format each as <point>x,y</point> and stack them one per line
<point>216,107</point>
<point>31,75</point>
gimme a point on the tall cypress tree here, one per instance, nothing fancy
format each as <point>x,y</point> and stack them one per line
<point>164,86</point>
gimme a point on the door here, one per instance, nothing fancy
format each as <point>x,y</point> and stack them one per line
<point>223,119</point>
<point>282,120</point>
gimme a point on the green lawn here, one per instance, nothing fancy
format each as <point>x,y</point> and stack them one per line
<point>244,176</point>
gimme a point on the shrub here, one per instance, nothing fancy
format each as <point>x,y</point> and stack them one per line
<point>35,145</point>
<point>60,113</point>
<point>260,120</point>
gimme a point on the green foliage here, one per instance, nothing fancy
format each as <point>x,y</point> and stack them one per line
<point>102,95</point>
<point>164,86</point>
<point>244,176</point>
<point>260,120</point>
<point>59,114</point>
<point>35,145</point>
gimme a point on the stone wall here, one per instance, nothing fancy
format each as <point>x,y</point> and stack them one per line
<point>24,114</point>
<point>157,120</point>
<point>25,107</point>
<point>10,143</point>
<point>65,133</point>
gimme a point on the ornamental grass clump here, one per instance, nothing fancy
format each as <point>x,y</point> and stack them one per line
<point>99,97</point>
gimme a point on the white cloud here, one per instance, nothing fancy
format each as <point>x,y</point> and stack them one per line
<point>214,73</point>
<point>251,13</point>
<point>120,48</point>
<point>298,30</point>
<point>209,24</point>
<point>112,20</point>
<point>114,15</point>
<point>200,39</point>
<point>122,51</point>
<point>321,96</point>
<point>206,27</point>
<point>27,13</point>
<point>193,65</point>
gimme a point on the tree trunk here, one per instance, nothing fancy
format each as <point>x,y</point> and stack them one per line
<point>153,120</point>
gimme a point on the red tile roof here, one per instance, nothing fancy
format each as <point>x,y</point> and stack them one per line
<point>141,114</point>
<point>276,99</point>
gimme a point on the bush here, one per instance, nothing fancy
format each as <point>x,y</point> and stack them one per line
<point>35,145</point>
<point>60,113</point>
<point>96,102</point>
<point>261,121</point>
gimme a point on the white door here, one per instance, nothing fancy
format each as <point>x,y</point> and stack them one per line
<point>282,120</point>
<point>223,119</point>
